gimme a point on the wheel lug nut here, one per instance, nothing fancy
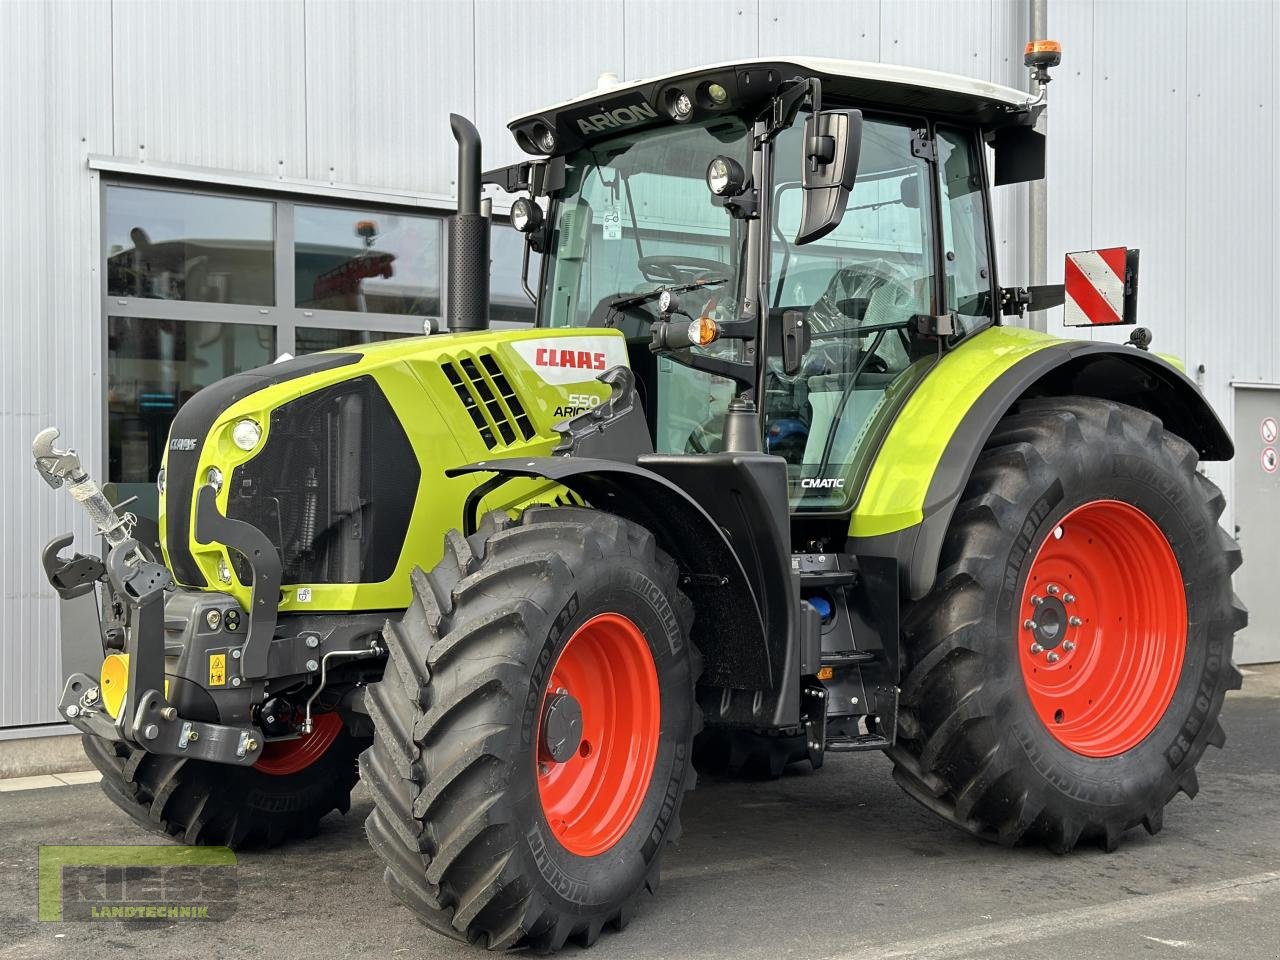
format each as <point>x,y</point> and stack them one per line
<point>1075,621</point>
<point>1053,657</point>
<point>1068,598</point>
<point>1054,589</point>
<point>1028,624</point>
<point>1068,645</point>
<point>1036,600</point>
<point>1036,649</point>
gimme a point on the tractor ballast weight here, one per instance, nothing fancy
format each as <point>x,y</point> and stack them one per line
<point>768,463</point>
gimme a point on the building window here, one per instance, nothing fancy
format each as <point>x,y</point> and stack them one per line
<point>508,303</point>
<point>315,339</point>
<point>166,245</point>
<point>356,260</point>
<point>201,285</point>
<point>153,367</point>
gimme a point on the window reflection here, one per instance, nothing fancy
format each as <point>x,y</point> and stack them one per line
<point>366,262</point>
<point>153,367</point>
<point>166,245</point>
<point>507,300</point>
<point>315,339</point>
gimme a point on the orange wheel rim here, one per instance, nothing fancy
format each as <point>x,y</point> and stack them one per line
<point>592,785</point>
<point>1102,628</point>
<point>282,757</point>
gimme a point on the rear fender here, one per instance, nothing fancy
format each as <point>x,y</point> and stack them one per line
<point>1035,366</point>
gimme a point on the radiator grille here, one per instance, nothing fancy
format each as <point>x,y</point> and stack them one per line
<point>489,399</point>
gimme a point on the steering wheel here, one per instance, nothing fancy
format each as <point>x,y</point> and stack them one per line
<point>679,269</point>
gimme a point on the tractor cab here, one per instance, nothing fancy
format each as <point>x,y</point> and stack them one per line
<point>823,225</point>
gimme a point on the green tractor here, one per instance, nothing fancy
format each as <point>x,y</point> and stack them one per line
<point>768,479</point>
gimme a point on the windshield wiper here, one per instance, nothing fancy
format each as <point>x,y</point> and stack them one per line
<point>635,300</point>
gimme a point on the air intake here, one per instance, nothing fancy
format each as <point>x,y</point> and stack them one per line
<point>489,399</point>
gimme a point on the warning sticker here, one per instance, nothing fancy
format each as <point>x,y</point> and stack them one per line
<point>1270,430</point>
<point>1270,459</point>
<point>217,669</point>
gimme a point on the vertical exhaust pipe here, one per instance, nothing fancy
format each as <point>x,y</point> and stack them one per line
<point>468,306</point>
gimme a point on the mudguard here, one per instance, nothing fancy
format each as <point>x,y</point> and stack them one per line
<point>736,620</point>
<point>925,461</point>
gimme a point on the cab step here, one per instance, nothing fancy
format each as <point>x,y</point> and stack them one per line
<point>866,741</point>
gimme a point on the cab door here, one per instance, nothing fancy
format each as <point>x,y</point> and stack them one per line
<point>860,289</point>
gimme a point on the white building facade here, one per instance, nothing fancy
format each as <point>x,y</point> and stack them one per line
<point>267,128</point>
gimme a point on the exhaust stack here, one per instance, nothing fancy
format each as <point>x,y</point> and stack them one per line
<point>468,304</point>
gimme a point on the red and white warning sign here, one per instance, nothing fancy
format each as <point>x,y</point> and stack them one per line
<point>1270,459</point>
<point>1094,285</point>
<point>1270,430</point>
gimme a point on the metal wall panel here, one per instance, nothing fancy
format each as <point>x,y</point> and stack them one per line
<point>211,84</point>
<point>842,29</point>
<point>381,81</point>
<point>949,35</point>
<point>1071,144</point>
<point>354,92</point>
<point>587,39</point>
<point>666,35</point>
<point>1140,157</point>
<point>1228,311</point>
<point>1009,203</point>
<point>56,111</point>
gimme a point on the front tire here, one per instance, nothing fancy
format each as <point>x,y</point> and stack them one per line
<point>201,803</point>
<point>533,730</point>
<point>1066,673</point>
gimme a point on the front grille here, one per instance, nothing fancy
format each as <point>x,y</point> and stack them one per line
<point>333,488</point>
<point>489,399</point>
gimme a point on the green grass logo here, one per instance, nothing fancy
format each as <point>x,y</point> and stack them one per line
<point>136,883</point>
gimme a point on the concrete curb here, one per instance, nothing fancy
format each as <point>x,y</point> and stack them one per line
<point>41,756</point>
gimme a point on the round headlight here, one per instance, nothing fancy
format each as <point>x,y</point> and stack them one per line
<point>526,215</point>
<point>246,434</point>
<point>717,94</point>
<point>213,477</point>
<point>681,105</point>
<point>725,176</point>
<point>544,138</point>
<point>160,481</point>
<point>667,302</point>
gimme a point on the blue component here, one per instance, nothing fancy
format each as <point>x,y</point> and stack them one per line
<point>822,605</point>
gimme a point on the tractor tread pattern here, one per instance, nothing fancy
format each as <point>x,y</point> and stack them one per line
<point>437,823</point>
<point>199,803</point>
<point>949,755</point>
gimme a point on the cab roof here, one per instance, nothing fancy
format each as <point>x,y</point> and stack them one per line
<point>874,84</point>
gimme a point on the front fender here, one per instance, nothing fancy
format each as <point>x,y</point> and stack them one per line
<point>729,627</point>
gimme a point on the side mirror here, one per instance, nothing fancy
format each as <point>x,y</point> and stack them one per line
<point>832,144</point>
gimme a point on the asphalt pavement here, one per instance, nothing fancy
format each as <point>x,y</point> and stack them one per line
<point>837,865</point>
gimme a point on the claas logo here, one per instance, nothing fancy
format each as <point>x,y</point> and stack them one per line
<point>572,359</point>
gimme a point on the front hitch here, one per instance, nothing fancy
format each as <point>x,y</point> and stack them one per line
<point>136,588</point>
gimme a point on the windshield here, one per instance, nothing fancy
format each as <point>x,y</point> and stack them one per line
<point>635,216</point>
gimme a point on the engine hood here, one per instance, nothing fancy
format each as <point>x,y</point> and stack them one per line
<point>347,475</point>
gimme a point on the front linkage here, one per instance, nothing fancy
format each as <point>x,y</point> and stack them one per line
<point>217,657</point>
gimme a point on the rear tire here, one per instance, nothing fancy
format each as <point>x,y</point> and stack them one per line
<point>979,739</point>
<point>477,841</point>
<point>202,804</point>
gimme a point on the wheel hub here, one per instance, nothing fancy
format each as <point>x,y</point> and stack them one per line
<point>598,734</point>
<point>561,728</point>
<point>1103,628</point>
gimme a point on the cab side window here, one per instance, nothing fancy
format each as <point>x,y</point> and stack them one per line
<point>966,256</point>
